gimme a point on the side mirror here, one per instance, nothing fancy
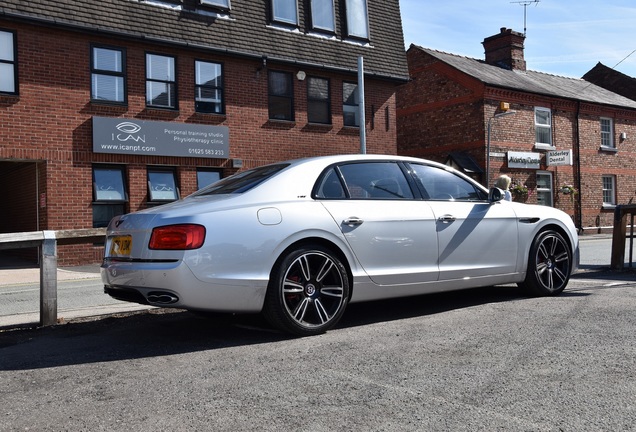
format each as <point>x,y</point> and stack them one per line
<point>495,194</point>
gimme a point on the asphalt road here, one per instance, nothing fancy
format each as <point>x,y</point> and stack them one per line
<point>485,359</point>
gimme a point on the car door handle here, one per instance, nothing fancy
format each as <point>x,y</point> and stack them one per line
<point>446,218</point>
<point>353,221</point>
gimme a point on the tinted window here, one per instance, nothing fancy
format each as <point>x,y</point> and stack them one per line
<point>241,182</point>
<point>439,184</point>
<point>368,180</point>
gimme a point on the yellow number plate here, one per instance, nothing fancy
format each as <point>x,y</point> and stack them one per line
<point>120,246</point>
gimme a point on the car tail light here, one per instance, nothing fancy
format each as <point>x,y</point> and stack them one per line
<point>177,237</point>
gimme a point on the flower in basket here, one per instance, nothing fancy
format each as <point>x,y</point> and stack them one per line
<point>568,190</point>
<point>519,189</point>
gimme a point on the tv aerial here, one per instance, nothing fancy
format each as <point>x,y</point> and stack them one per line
<point>525,4</point>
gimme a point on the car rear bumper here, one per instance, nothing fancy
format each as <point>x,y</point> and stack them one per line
<point>173,284</point>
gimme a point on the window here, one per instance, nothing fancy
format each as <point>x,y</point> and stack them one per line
<point>109,194</point>
<point>208,87</point>
<point>607,132</point>
<point>372,180</point>
<point>285,11</point>
<point>281,96</point>
<point>357,18</point>
<point>543,127</point>
<point>350,102</point>
<point>206,177</point>
<point>609,190</point>
<point>243,181</point>
<point>108,82</point>
<point>318,101</point>
<point>162,185</point>
<point>440,185</point>
<point>223,4</point>
<point>161,87</point>
<point>8,63</point>
<point>544,189</point>
<point>322,15</point>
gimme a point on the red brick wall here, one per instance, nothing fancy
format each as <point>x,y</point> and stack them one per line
<point>441,110</point>
<point>51,121</point>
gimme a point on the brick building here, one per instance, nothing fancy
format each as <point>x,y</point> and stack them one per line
<point>612,80</point>
<point>493,116</point>
<point>113,106</point>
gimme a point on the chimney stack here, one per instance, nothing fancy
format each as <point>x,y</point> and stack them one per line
<point>505,50</point>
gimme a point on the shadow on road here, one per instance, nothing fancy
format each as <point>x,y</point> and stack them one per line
<point>163,332</point>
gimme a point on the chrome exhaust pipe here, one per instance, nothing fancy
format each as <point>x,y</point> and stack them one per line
<point>162,298</point>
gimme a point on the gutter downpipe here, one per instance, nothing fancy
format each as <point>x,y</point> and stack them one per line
<point>578,209</point>
<point>363,122</point>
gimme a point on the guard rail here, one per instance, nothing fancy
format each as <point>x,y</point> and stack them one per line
<point>47,241</point>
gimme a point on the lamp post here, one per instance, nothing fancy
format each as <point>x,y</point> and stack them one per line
<point>501,114</point>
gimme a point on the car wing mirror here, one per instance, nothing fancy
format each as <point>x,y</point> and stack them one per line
<point>495,194</point>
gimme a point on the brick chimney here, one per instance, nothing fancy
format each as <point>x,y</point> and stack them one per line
<point>505,50</point>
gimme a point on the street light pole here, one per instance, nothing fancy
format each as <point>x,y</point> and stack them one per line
<point>501,114</point>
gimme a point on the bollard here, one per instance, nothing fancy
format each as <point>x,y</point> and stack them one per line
<point>48,280</point>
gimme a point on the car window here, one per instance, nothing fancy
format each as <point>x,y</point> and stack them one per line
<point>330,186</point>
<point>241,182</point>
<point>367,180</point>
<point>441,185</point>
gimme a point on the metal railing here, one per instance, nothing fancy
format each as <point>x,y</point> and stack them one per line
<point>47,241</point>
<point>620,234</point>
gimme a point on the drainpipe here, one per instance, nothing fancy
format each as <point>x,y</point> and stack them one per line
<point>577,146</point>
<point>363,127</point>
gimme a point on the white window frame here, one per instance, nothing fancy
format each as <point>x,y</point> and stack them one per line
<point>280,6</point>
<point>607,136</point>
<point>357,19</point>
<point>548,127</point>
<point>8,62</point>
<point>322,11</point>
<point>609,190</point>
<point>549,191</point>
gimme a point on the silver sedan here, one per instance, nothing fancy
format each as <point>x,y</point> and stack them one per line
<point>299,240</point>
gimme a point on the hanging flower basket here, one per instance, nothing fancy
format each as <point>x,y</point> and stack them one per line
<point>519,190</point>
<point>568,190</point>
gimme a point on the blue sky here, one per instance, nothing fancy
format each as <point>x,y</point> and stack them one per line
<point>563,37</point>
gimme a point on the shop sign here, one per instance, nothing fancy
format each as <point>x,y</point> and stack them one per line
<point>524,160</point>
<point>559,157</point>
<point>156,138</point>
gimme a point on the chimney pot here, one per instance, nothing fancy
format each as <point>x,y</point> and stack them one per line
<point>505,49</point>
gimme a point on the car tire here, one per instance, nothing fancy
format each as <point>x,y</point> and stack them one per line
<point>549,265</point>
<point>308,291</point>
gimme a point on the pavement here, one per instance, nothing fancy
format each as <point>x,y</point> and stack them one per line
<point>14,271</point>
<point>18,272</point>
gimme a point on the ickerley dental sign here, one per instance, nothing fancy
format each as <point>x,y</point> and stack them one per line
<point>559,157</point>
<point>155,138</point>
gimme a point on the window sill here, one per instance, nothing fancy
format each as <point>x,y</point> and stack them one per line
<point>211,114</point>
<point>608,149</point>
<point>611,207</point>
<point>159,108</point>
<point>546,147</point>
